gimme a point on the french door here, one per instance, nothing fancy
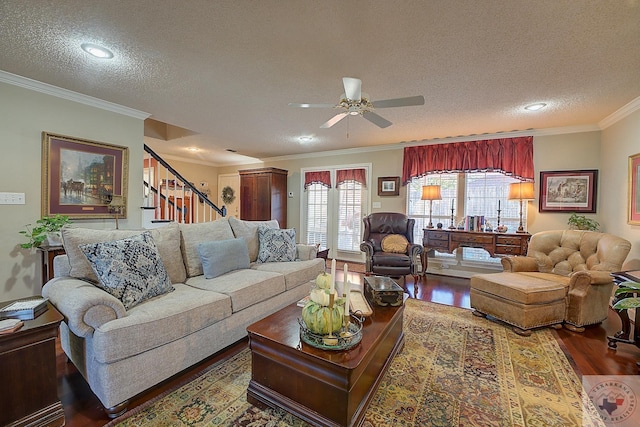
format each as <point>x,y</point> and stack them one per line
<point>333,207</point>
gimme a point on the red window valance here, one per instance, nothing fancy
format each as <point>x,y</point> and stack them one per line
<point>358,175</point>
<point>511,156</point>
<point>319,177</point>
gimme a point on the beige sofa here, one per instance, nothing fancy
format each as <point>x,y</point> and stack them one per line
<point>564,279</point>
<point>123,353</point>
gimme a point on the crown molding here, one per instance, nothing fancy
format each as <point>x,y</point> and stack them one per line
<point>444,140</point>
<point>620,114</point>
<point>69,95</point>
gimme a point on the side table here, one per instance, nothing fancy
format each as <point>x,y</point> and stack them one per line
<point>29,394</point>
<point>48,254</point>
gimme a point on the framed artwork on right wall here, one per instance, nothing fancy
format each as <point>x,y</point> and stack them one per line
<point>568,191</point>
<point>634,191</point>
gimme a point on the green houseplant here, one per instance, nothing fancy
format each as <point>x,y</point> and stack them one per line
<point>581,222</point>
<point>43,228</point>
<point>628,302</point>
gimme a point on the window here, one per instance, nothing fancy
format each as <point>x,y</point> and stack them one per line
<point>317,196</point>
<point>472,193</point>
<point>333,216</point>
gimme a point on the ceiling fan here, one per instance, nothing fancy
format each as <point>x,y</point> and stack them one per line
<point>355,102</point>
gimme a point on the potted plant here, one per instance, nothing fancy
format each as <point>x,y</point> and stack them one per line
<point>46,228</point>
<point>581,222</point>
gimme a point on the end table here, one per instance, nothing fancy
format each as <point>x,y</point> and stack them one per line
<point>29,392</point>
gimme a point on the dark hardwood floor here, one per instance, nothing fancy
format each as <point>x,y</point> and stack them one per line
<point>588,350</point>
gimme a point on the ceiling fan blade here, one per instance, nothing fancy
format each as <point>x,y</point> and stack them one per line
<point>335,119</point>
<point>352,88</point>
<point>399,102</point>
<point>303,105</point>
<point>376,119</point>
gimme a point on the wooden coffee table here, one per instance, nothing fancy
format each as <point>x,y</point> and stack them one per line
<point>323,387</point>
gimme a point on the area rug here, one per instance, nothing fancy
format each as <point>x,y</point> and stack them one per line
<point>455,370</point>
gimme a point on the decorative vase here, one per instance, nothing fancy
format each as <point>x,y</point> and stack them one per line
<point>54,238</point>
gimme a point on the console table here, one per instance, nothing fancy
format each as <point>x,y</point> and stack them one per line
<point>48,254</point>
<point>496,244</point>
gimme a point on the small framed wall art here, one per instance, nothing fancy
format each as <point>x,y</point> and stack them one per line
<point>568,191</point>
<point>634,190</point>
<point>389,186</point>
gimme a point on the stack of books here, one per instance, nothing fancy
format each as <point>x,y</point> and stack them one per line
<point>10,325</point>
<point>25,309</point>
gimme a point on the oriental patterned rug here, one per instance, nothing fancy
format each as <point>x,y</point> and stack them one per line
<point>455,370</point>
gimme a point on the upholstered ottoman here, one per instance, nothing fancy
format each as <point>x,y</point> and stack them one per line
<point>524,301</point>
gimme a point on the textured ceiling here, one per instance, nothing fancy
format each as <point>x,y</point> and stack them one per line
<point>226,70</point>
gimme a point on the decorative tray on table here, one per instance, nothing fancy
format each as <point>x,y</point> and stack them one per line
<point>336,342</point>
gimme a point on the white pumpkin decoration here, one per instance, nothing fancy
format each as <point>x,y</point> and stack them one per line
<point>321,296</point>
<point>323,281</point>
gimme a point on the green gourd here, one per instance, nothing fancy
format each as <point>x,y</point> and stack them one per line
<point>316,317</point>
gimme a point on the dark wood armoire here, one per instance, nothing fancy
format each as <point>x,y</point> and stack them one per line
<point>263,195</point>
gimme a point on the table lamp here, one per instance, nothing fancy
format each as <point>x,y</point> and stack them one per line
<point>117,206</point>
<point>521,191</point>
<point>431,193</point>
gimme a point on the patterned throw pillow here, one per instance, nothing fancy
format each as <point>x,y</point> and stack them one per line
<point>276,244</point>
<point>394,243</point>
<point>129,269</point>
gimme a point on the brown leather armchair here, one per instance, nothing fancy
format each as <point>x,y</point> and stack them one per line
<point>376,227</point>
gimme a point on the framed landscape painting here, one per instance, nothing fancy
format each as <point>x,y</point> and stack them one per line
<point>568,191</point>
<point>80,177</point>
<point>634,191</point>
<point>389,186</point>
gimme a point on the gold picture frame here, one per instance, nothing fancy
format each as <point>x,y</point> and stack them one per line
<point>633,199</point>
<point>80,177</point>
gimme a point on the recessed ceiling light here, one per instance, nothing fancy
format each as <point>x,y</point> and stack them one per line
<point>535,107</point>
<point>305,139</point>
<point>97,51</point>
<point>194,149</point>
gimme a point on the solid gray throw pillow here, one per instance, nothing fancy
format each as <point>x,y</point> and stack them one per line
<point>222,256</point>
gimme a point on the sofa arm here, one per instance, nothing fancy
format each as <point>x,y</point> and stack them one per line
<point>84,306</point>
<point>414,250</point>
<point>519,263</point>
<point>306,252</point>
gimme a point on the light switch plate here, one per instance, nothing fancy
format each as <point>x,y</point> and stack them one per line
<point>12,198</point>
<point>377,205</point>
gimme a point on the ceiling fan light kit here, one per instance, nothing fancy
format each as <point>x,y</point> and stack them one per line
<point>354,102</point>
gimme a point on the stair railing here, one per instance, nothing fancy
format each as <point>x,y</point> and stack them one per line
<point>171,196</point>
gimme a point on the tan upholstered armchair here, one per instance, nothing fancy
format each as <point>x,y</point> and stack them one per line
<point>394,231</point>
<point>579,260</point>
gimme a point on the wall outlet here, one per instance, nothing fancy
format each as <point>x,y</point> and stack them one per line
<point>12,198</point>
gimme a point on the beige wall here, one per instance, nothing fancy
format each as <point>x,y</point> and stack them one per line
<point>24,115</point>
<point>573,151</point>
<point>555,152</point>
<point>619,141</point>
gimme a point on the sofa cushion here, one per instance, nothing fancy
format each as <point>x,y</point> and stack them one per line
<point>130,269</point>
<point>192,235</point>
<point>245,287</point>
<point>167,239</point>
<point>159,321</point>
<point>222,256</point>
<point>295,273</point>
<point>248,230</point>
<point>395,243</point>
<point>276,244</point>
